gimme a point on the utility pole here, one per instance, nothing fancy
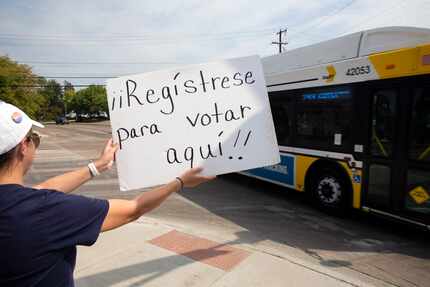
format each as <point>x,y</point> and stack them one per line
<point>280,43</point>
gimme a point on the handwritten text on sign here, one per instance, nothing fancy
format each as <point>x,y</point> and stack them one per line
<point>214,115</point>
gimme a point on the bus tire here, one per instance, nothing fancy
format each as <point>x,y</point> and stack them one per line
<point>330,190</point>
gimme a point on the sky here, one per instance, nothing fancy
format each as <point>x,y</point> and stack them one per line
<point>109,38</point>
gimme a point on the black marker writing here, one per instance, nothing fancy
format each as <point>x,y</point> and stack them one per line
<point>124,134</point>
<point>188,155</point>
<point>217,116</point>
<point>165,93</point>
<point>130,84</point>
<point>137,94</point>
<point>244,144</point>
<point>172,156</point>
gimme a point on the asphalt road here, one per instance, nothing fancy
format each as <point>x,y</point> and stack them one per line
<point>270,218</point>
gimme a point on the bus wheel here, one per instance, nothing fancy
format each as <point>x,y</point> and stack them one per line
<point>329,191</point>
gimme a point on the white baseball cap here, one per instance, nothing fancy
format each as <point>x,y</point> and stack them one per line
<point>14,126</point>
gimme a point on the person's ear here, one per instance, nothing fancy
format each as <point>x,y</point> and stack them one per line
<point>24,148</point>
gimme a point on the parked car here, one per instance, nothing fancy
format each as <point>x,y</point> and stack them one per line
<point>103,115</point>
<point>71,116</point>
<point>82,117</point>
<point>61,120</point>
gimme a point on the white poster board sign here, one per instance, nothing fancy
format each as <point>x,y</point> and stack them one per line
<point>215,115</point>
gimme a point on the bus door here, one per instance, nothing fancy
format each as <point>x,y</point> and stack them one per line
<point>416,195</point>
<point>384,161</point>
<point>397,162</point>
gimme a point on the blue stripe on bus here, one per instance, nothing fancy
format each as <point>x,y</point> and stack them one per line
<point>282,172</point>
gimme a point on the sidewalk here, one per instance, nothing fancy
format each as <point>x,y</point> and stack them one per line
<point>149,253</point>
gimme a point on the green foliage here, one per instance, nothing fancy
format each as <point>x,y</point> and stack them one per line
<point>69,94</point>
<point>91,100</point>
<point>53,95</point>
<point>18,86</point>
<point>44,99</point>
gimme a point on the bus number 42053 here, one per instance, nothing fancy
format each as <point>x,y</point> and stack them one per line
<point>358,71</point>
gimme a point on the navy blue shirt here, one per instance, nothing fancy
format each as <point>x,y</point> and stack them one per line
<point>39,231</point>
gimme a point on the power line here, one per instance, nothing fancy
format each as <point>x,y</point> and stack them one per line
<point>372,18</point>
<point>319,21</point>
<point>108,37</point>
<point>64,77</point>
<point>98,63</point>
<point>48,86</point>
<point>29,40</point>
<point>144,39</point>
<point>78,77</point>
<point>116,43</point>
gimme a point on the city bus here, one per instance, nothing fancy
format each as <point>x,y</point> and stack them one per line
<point>352,119</point>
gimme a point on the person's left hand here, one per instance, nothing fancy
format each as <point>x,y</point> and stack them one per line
<point>107,157</point>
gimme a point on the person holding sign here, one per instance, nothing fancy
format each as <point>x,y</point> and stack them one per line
<point>41,226</point>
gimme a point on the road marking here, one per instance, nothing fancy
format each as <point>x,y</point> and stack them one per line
<point>219,255</point>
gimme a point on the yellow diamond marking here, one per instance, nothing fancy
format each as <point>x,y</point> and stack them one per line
<point>419,194</point>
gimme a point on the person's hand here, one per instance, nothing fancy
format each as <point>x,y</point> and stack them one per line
<point>192,177</point>
<point>107,156</point>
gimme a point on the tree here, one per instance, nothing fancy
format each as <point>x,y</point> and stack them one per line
<point>44,99</point>
<point>52,92</point>
<point>19,86</point>
<point>91,100</point>
<point>69,94</point>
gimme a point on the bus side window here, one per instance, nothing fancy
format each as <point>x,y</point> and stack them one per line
<point>281,120</point>
<point>324,118</point>
<point>383,121</point>
<point>418,180</point>
<point>419,148</point>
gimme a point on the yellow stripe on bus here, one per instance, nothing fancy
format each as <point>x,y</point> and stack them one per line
<point>304,162</point>
<point>302,165</point>
<point>356,186</point>
<point>400,63</point>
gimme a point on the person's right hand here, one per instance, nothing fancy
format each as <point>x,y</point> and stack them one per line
<point>107,157</point>
<point>192,177</point>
